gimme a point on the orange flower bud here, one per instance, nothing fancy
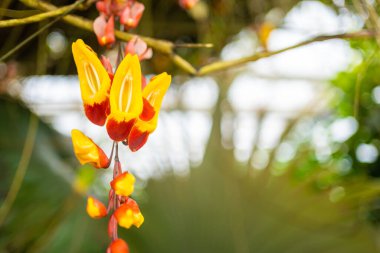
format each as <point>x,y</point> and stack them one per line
<point>87,151</point>
<point>118,246</point>
<point>129,214</point>
<point>95,209</point>
<point>123,184</point>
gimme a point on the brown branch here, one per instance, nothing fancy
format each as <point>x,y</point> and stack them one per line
<point>35,18</point>
<point>18,13</point>
<point>223,65</point>
<point>42,29</point>
<point>162,46</point>
<point>168,47</point>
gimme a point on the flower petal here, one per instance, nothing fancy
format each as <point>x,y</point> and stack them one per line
<point>153,95</point>
<point>130,46</point>
<point>97,113</point>
<point>95,209</point>
<point>156,89</point>
<point>99,26</point>
<point>104,30</point>
<point>119,130</point>
<point>123,184</point>
<point>148,111</point>
<point>94,81</point>
<point>146,55</point>
<point>137,139</point>
<point>132,14</point>
<point>87,151</point>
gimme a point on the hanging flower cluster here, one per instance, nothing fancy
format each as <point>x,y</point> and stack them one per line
<point>127,12</point>
<point>129,111</point>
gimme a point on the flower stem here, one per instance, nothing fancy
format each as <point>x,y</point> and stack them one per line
<point>115,200</point>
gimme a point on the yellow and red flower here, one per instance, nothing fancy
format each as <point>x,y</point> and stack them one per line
<point>129,214</point>
<point>131,114</point>
<point>153,95</point>
<point>87,151</point>
<point>94,81</point>
<point>125,98</point>
<point>95,209</point>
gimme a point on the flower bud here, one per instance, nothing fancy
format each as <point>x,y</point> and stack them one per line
<point>129,214</point>
<point>87,151</point>
<point>118,246</point>
<point>123,184</point>
<point>95,209</point>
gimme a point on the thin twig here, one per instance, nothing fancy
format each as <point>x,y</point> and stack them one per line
<point>18,13</point>
<point>37,17</point>
<point>223,65</point>
<point>27,40</point>
<point>193,45</point>
<point>111,155</point>
<point>162,46</point>
<point>167,47</point>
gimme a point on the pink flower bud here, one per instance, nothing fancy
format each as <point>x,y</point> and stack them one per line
<point>104,30</point>
<point>139,47</point>
<point>131,15</point>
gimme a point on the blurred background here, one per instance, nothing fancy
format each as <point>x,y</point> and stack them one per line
<point>277,155</point>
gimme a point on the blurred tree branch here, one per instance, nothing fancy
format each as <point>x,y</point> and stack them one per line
<point>223,65</point>
<point>162,46</point>
<point>42,29</point>
<point>369,15</point>
<point>35,18</point>
<point>168,47</point>
<point>18,13</point>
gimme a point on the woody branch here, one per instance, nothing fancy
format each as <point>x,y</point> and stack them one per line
<point>168,48</point>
